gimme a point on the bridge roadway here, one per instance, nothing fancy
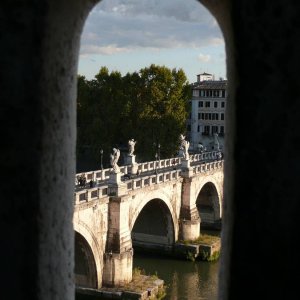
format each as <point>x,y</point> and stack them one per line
<point>149,210</point>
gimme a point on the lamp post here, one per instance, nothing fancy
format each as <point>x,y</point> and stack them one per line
<point>156,157</point>
<point>101,155</point>
<point>158,151</point>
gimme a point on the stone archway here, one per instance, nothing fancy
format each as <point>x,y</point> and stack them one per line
<point>153,228</point>
<point>209,206</point>
<point>85,265</point>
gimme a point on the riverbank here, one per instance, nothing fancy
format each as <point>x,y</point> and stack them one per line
<point>142,287</point>
<point>206,247</point>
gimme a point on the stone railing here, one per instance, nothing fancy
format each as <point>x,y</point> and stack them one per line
<point>101,175</point>
<point>206,167</point>
<point>140,182</point>
<point>87,194</point>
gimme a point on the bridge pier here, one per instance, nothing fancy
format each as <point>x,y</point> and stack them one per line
<point>189,219</point>
<point>118,256</point>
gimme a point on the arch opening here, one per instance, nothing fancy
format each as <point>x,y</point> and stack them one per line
<point>85,265</point>
<point>208,206</point>
<point>153,228</point>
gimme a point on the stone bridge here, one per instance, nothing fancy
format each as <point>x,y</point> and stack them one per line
<point>165,203</point>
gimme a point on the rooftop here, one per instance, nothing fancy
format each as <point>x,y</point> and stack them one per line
<point>205,74</point>
<point>210,84</point>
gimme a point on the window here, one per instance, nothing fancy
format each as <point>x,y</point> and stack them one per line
<point>222,104</point>
<point>222,116</point>
<point>200,104</point>
<point>198,128</point>
<point>198,116</point>
<point>195,93</point>
<point>215,104</point>
<point>214,129</point>
<point>217,116</point>
<point>206,130</point>
<point>207,104</point>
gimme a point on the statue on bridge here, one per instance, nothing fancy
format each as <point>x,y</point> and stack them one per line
<point>216,142</point>
<point>131,144</point>
<point>114,157</point>
<point>184,146</point>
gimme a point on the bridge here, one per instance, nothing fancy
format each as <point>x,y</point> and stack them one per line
<point>160,203</point>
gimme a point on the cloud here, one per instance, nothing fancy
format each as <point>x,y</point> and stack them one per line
<point>205,58</point>
<point>116,26</point>
<point>106,50</point>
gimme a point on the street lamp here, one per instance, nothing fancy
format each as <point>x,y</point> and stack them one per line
<point>101,155</point>
<point>158,151</point>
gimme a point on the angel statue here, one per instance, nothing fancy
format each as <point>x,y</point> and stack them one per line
<point>184,146</point>
<point>216,142</point>
<point>131,144</point>
<point>114,157</point>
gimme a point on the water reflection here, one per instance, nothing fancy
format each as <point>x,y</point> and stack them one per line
<point>184,279</point>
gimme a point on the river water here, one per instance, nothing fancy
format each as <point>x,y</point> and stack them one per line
<point>184,279</point>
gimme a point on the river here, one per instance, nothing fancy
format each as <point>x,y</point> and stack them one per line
<point>184,279</point>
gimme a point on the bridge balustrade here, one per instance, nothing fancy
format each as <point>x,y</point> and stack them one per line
<point>101,175</point>
<point>90,194</point>
<point>208,166</point>
<point>152,179</point>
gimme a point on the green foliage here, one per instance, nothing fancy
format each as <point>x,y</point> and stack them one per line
<point>190,256</point>
<point>150,106</point>
<point>204,255</point>
<point>203,239</point>
<point>137,271</point>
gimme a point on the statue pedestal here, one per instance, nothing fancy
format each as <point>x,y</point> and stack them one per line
<point>185,163</point>
<point>130,160</point>
<point>115,186</point>
<point>114,178</point>
<point>187,171</point>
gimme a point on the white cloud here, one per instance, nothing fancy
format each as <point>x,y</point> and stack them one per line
<point>122,25</point>
<point>106,50</point>
<point>205,58</point>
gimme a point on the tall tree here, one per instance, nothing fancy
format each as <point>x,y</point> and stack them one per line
<point>149,106</point>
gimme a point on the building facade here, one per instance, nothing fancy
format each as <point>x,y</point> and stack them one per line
<point>207,115</point>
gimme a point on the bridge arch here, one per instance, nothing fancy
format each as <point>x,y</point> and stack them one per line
<point>88,263</point>
<point>153,223</point>
<point>209,203</point>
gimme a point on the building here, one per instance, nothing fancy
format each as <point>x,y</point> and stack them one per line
<point>207,115</point>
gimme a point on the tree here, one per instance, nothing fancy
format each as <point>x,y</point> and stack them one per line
<point>150,106</point>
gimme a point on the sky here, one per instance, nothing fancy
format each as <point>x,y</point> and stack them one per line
<point>128,35</point>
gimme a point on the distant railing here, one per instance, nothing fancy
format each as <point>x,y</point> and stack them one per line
<point>101,175</point>
<point>102,191</point>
